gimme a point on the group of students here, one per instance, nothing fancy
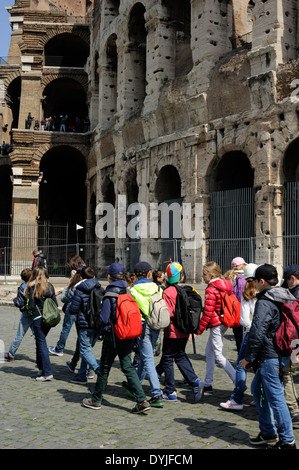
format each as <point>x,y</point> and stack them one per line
<point>256,287</point>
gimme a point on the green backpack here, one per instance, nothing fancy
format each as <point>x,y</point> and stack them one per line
<point>51,313</point>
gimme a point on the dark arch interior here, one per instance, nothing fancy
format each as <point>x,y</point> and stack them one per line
<point>291,162</point>
<point>232,172</point>
<point>5,192</point>
<point>65,97</point>
<point>66,50</point>
<point>168,185</point>
<point>13,100</point>
<point>62,197</point>
<point>137,31</point>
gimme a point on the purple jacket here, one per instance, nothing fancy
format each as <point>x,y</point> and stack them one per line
<point>238,286</point>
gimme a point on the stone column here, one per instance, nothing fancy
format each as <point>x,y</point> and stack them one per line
<point>25,200</point>
<point>30,98</point>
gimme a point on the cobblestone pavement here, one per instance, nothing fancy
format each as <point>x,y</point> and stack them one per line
<point>50,415</point>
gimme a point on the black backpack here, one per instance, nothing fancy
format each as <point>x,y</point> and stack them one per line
<point>188,309</point>
<point>94,307</point>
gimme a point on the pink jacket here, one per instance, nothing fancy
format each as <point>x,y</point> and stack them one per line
<point>170,295</point>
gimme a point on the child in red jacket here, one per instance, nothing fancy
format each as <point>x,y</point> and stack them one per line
<point>211,319</point>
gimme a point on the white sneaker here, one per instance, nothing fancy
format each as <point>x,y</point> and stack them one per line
<point>231,405</point>
<point>43,378</point>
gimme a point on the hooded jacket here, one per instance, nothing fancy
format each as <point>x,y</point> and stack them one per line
<point>266,320</point>
<point>109,305</point>
<point>142,290</point>
<point>80,300</point>
<point>211,313</point>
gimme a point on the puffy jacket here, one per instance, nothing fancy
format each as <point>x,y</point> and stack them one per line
<point>20,300</point>
<point>80,300</point>
<point>170,296</point>
<point>39,261</point>
<point>141,291</point>
<point>238,286</point>
<point>109,305</point>
<point>66,298</point>
<point>265,322</point>
<point>35,305</point>
<point>211,312</point>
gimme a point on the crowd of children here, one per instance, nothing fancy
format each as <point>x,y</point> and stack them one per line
<point>258,290</point>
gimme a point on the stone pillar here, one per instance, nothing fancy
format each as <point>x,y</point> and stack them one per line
<point>25,215</point>
<point>30,99</point>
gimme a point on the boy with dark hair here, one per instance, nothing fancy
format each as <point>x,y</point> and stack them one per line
<point>87,336</point>
<point>26,320</point>
<point>113,346</point>
<point>267,387</point>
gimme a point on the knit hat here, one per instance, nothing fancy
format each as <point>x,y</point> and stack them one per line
<point>173,272</point>
<point>237,261</point>
<point>249,270</point>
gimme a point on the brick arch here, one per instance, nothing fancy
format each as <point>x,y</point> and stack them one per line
<point>43,149</point>
<point>54,76</point>
<point>11,77</point>
<point>52,33</point>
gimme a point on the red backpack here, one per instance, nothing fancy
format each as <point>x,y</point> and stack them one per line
<point>288,329</point>
<point>230,310</point>
<point>127,322</point>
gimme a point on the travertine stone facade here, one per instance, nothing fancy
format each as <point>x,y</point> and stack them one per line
<point>182,94</point>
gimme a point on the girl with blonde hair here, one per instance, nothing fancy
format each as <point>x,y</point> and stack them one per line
<point>211,320</point>
<point>38,289</point>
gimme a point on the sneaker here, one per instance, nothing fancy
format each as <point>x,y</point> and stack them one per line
<point>198,388</point>
<point>69,366</point>
<point>208,389</point>
<point>263,440</point>
<point>89,403</point>
<point>283,445</point>
<point>44,378</point>
<point>141,407</point>
<point>231,405</point>
<point>170,396</point>
<point>78,380</point>
<point>90,375</point>
<point>9,358</point>
<point>125,385</point>
<point>53,351</point>
<point>156,402</point>
<point>295,420</point>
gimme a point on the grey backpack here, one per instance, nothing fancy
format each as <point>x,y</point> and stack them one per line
<point>159,316</point>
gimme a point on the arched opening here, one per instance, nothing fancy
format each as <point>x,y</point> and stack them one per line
<point>290,169</point>
<point>5,192</point>
<point>65,97</point>
<point>179,16</point>
<point>62,196</point>
<point>13,94</point>
<point>66,50</point>
<point>232,210</point>
<point>109,98</point>
<point>132,251</point>
<point>136,92</point>
<point>108,254</point>
<point>168,196</point>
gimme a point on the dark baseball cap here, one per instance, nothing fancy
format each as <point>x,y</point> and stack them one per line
<point>115,269</point>
<point>289,270</point>
<point>266,272</point>
<point>142,267</point>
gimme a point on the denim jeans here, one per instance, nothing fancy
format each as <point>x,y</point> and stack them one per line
<point>25,322</point>
<point>87,340</point>
<point>174,350</point>
<point>122,349</point>
<point>42,354</point>
<point>66,327</point>
<point>241,375</point>
<point>268,393</point>
<point>146,366</point>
